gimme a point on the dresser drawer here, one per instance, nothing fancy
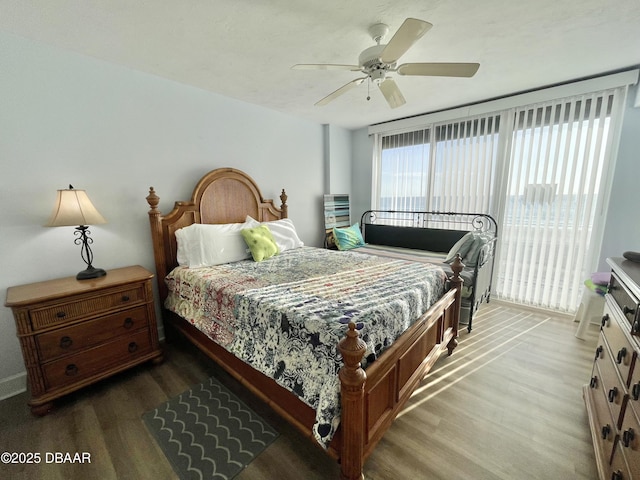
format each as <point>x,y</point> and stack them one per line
<point>624,354</point>
<point>80,307</point>
<point>630,440</point>
<point>91,362</point>
<point>612,386</point>
<point>605,426</point>
<point>65,341</point>
<point>626,301</point>
<point>619,469</point>
<point>634,388</point>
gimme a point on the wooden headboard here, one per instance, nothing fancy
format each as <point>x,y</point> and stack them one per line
<point>224,195</point>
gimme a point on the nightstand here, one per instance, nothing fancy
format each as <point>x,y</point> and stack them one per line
<point>76,332</point>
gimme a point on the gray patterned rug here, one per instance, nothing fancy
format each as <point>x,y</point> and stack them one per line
<point>208,433</point>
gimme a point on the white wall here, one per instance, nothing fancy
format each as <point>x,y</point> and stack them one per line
<point>361,172</point>
<point>69,119</point>
<point>338,160</point>
<point>622,228</point>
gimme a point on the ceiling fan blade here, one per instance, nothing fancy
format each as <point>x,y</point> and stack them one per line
<point>439,69</point>
<point>340,91</point>
<point>409,33</point>
<point>392,93</point>
<point>325,66</point>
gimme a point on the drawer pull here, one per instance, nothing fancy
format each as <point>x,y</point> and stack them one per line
<point>627,437</point>
<point>128,322</point>
<point>65,342</point>
<point>125,298</point>
<point>613,393</point>
<point>635,328</point>
<point>606,430</point>
<point>71,370</point>
<point>628,311</point>
<point>594,382</point>
<point>605,320</point>
<point>599,351</point>
<point>621,354</point>
<point>635,391</point>
<point>617,475</point>
<point>133,346</point>
<point>61,314</point>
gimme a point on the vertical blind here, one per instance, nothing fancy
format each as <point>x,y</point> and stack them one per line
<point>554,186</point>
<point>404,171</point>
<point>448,167</point>
<point>463,165</point>
<point>539,169</point>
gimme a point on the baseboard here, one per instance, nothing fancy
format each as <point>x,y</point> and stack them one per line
<point>531,308</point>
<point>13,385</point>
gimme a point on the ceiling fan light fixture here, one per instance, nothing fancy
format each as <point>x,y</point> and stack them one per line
<point>378,75</point>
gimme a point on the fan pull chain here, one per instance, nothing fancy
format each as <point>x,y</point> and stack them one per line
<point>368,88</point>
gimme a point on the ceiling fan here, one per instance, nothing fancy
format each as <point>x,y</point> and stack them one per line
<point>378,61</point>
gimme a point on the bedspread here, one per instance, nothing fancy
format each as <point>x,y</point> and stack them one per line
<point>285,316</point>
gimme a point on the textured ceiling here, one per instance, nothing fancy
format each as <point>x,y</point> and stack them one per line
<point>244,48</point>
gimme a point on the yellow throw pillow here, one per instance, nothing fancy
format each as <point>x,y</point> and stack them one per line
<point>260,242</point>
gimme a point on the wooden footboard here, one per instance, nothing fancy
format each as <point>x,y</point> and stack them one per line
<point>371,400</point>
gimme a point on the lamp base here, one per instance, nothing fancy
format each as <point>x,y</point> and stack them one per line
<point>90,272</point>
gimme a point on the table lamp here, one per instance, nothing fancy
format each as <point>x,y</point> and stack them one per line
<point>73,207</point>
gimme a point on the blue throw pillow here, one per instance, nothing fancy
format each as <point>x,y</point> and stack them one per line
<point>348,238</point>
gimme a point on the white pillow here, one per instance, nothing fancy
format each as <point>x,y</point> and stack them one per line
<point>182,239</point>
<point>283,231</point>
<point>462,246</point>
<point>203,245</point>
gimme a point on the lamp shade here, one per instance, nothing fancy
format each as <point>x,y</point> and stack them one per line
<point>72,208</point>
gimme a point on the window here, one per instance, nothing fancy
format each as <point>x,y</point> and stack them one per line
<point>449,167</point>
<point>538,168</point>
<point>404,168</point>
<point>558,151</point>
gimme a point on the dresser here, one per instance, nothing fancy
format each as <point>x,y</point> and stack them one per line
<point>612,396</point>
<point>76,332</point>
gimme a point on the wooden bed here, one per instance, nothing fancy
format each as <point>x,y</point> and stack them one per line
<point>371,399</point>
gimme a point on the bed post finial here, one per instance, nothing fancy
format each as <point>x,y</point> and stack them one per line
<point>153,200</point>
<point>352,378</point>
<point>284,207</point>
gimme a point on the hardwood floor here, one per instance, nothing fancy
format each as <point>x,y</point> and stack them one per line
<point>507,405</point>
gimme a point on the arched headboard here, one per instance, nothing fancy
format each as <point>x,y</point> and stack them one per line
<point>224,195</point>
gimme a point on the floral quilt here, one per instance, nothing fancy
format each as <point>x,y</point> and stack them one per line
<point>286,315</point>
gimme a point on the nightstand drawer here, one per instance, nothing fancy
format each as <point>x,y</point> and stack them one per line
<point>75,309</point>
<point>65,341</point>
<point>90,362</point>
